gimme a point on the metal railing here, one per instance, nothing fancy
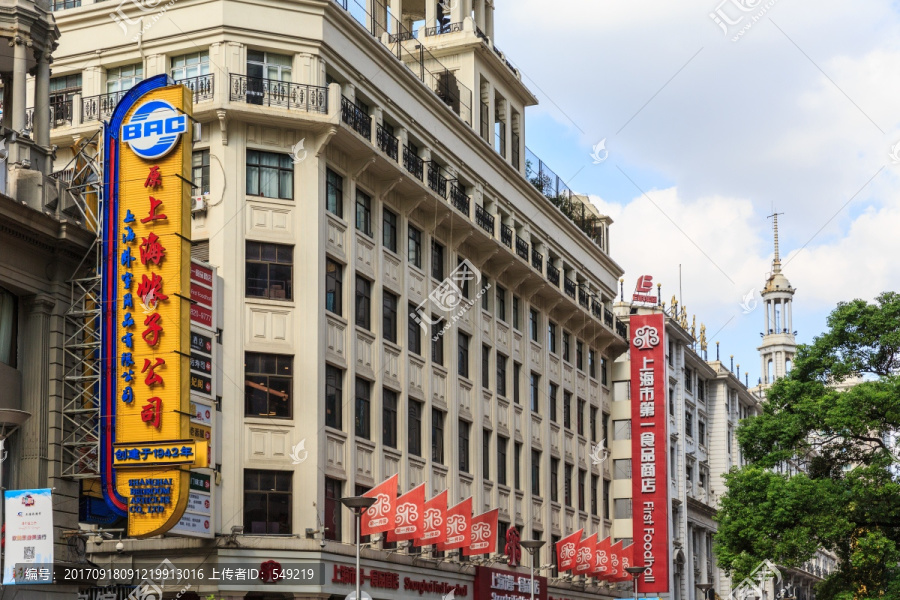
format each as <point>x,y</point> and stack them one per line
<point>403,36</point>
<point>597,310</point>
<point>583,297</point>
<point>607,317</point>
<point>459,199</point>
<point>387,142</point>
<point>569,287</point>
<point>537,259</point>
<point>621,329</point>
<point>99,108</point>
<point>413,163</point>
<point>203,86</point>
<point>354,116</point>
<point>284,94</point>
<point>436,181</point>
<point>444,28</point>
<point>506,235</point>
<point>484,219</point>
<point>522,248</point>
<point>553,274</point>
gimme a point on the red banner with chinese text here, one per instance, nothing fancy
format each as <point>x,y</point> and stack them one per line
<point>458,526</point>
<point>483,534</point>
<point>584,555</point>
<point>601,560</point>
<point>380,516</point>
<point>566,551</point>
<point>408,519</point>
<point>433,518</point>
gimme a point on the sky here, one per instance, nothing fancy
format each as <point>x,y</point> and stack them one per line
<point>787,106</point>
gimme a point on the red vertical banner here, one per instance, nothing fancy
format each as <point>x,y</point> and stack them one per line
<point>649,451</point>
<point>584,555</point>
<point>458,526</point>
<point>483,533</point>
<point>600,569</point>
<point>434,530</point>
<point>380,516</point>
<point>567,550</point>
<point>409,515</point>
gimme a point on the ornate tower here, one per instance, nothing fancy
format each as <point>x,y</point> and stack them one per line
<point>779,345</point>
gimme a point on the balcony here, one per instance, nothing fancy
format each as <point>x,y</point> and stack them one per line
<point>413,163</point>
<point>597,311</point>
<point>283,94</point>
<point>202,86</point>
<point>443,28</point>
<point>553,274</point>
<point>99,108</point>
<point>569,286</point>
<point>354,116</point>
<point>607,317</point>
<point>582,297</point>
<point>484,219</point>
<point>436,181</point>
<point>522,248</point>
<point>537,260</point>
<point>403,36</point>
<point>621,329</point>
<point>506,235</point>
<point>387,142</point>
<point>459,199</point>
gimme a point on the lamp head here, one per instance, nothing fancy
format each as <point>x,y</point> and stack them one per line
<point>635,570</point>
<point>358,503</point>
<point>532,545</point>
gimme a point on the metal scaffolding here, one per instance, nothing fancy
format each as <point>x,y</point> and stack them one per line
<point>83,177</point>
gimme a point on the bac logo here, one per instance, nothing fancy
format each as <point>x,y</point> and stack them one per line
<point>154,129</point>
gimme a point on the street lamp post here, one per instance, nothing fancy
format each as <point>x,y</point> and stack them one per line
<point>532,546</point>
<point>635,573</point>
<point>704,587</point>
<point>358,505</point>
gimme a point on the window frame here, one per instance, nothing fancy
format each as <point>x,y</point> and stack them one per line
<point>284,167</point>
<point>257,263</point>
<point>414,246</point>
<point>389,418</point>
<point>463,440</point>
<point>337,408</point>
<point>268,385</point>
<point>278,476</point>
<point>389,302</point>
<point>362,418</point>
<point>414,427</point>
<point>334,193</point>
<point>363,303</point>
<point>363,204</point>
<point>334,287</point>
<point>389,221</point>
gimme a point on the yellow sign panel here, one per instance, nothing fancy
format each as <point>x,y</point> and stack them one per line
<point>154,310</point>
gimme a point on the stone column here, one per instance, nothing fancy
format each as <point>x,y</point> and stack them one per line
<point>430,13</point>
<point>20,60</point>
<point>42,103</point>
<point>7,100</point>
<point>36,392</point>
<point>489,19</point>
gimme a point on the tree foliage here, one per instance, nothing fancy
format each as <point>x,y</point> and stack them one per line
<point>846,497</point>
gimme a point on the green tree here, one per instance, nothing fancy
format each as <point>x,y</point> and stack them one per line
<point>846,497</point>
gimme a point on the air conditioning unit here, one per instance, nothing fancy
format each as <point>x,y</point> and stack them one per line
<point>199,203</point>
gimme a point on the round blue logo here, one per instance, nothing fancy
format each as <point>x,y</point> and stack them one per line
<point>154,129</point>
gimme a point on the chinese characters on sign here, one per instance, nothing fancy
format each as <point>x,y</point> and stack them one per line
<point>649,450</point>
<point>495,583</point>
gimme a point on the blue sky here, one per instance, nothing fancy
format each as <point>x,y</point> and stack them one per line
<point>705,135</point>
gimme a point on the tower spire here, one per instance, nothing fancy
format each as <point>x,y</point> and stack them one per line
<point>776,262</point>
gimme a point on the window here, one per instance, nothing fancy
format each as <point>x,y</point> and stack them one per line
<point>554,480</point>
<point>595,481</point>
<point>701,432</point>
<point>623,508</point>
<point>622,468</point>
<point>486,453</point>
<point>554,540</point>
<point>334,193</point>
<point>515,313</point>
<point>333,508</point>
<point>567,485</point>
<point>593,424</point>
<point>121,79</point>
<point>389,316</point>
<point>702,478</point>
<point>622,429</point>
<point>334,397</point>
<point>533,324</point>
<point>566,346</point>
<point>689,380</point>
<point>517,459</point>
<point>437,342</point>
<point>364,212</point>
<point>579,355</point>
<point>535,400</point>
<point>485,299</point>
<point>363,302</point>
<point>334,287</point>
<point>552,397</point>
<point>389,418</point>
<point>604,426</point>
<point>363,405</point>
<point>688,423</point>
<point>689,473</point>
<point>413,332</point>
<point>266,65</point>
<point>728,439</point>
<point>607,495</point>
<point>389,231</point>
<point>592,363</point>
<point>437,436</point>
<point>672,402</point>
<point>267,502</point>
<point>671,353</point>
<point>551,336</point>
<point>437,260</point>
<point>63,89</point>
<point>270,174</point>
<point>604,371</point>
<point>464,427</point>
<point>269,271</point>
<point>463,354</point>
<point>502,443</point>
<point>567,410</point>
<point>190,65</point>
<point>501,375</point>
<point>9,321</point>
<point>267,385</point>
<point>535,472</point>
<point>414,428</point>
<point>517,375</point>
<point>200,171</point>
<point>414,247</point>
<point>501,304</point>
<point>579,418</point>
<point>486,367</point>
<point>582,483</point>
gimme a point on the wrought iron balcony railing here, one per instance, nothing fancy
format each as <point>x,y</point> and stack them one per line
<point>203,86</point>
<point>459,199</point>
<point>99,108</point>
<point>583,297</point>
<point>569,286</point>
<point>283,94</point>
<point>537,259</point>
<point>597,309</point>
<point>436,181</point>
<point>621,329</point>
<point>354,116</point>
<point>506,235</point>
<point>484,219</point>
<point>522,248</point>
<point>552,274</point>
<point>387,142</point>
<point>413,163</point>
<point>608,317</point>
<point>443,28</point>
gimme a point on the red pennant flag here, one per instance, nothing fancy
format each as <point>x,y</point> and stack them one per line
<point>380,516</point>
<point>626,558</point>
<point>584,555</point>
<point>566,549</point>
<point>458,526</point>
<point>615,561</point>
<point>408,515</point>
<point>483,534</point>
<point>601,560</point>
<point>433,518</point>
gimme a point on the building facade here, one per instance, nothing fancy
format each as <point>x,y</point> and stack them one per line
<point>350,157</point>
